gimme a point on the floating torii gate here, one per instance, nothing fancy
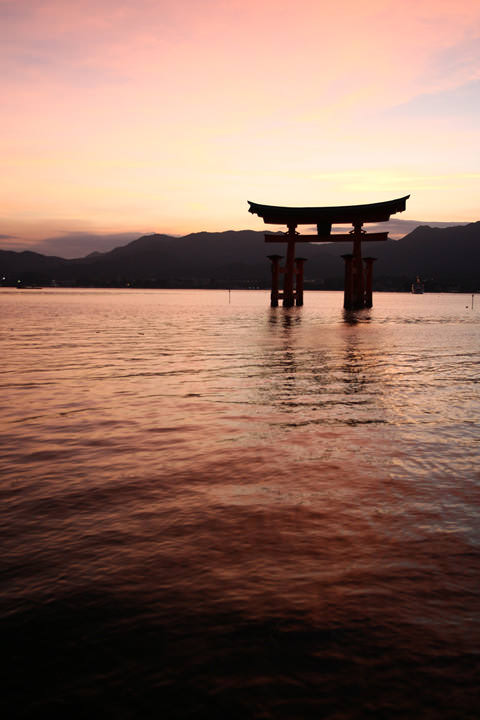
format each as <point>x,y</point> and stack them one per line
<point>358,271</point>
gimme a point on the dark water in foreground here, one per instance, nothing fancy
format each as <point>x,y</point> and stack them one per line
<point>228,511</point>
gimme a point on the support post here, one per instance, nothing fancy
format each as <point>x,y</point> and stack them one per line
<point>299,262</point>
<point>275,260</point>
<point>288,292</point>
<point>368,280</point>
<point>358,282</point>
<point>348,285</point>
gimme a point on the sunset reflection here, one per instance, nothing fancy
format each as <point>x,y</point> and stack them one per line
<point>225,495</point>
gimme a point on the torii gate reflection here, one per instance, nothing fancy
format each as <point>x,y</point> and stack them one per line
<point>358,271</point>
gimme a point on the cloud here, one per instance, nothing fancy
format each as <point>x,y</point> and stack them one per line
<point>397,227</point>
<point>458,63</point>
<point>69,244</point>
<point>460,101</point>
<point>79,244</point>
<point>168,113</point>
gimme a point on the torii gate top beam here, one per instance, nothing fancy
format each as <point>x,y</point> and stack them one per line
<point>324,217</point>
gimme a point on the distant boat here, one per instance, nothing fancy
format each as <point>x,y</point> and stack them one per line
<point>418,287</point>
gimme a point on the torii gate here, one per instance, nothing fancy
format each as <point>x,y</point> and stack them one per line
<point>358,278</point>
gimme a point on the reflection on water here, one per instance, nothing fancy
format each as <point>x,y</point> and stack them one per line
<point>229,510</point>
<point>353,317</point>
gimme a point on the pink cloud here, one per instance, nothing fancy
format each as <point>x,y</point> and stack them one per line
<point>162,107</point>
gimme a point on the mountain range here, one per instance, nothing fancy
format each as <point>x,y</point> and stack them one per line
<point>445,259</point>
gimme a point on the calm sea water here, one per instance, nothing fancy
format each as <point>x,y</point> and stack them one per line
<point>223,510</point>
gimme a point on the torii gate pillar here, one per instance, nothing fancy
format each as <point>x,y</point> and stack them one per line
<point>299,262</point>
<point>368,280</point>
<point>358,297</point>
<point>275,259</point>
<point>288,287</point>
<point>348,284</point>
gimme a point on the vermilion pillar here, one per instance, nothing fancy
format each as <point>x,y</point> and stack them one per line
<point>275,260</point>
<point>358,299</point>
<point>368,280</point>
<point>299,262</point>
<point>348,285</point>
<point>288,293</point>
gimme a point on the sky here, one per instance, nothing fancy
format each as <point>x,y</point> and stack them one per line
<point>124,118</point>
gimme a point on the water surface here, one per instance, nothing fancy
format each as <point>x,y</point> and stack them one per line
<point>219,509</point>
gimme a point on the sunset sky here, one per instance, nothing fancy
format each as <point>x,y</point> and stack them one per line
<point>168,115</point>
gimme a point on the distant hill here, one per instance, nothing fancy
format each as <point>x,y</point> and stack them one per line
<point>445,258</point>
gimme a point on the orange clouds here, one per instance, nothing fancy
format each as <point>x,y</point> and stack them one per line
<point>128,115</point>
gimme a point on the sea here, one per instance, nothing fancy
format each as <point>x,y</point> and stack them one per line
<point>211,508</point>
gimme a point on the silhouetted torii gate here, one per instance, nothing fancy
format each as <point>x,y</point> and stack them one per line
<point>358,278</point>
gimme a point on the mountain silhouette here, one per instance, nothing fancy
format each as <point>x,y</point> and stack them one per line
<point>446,258</point>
